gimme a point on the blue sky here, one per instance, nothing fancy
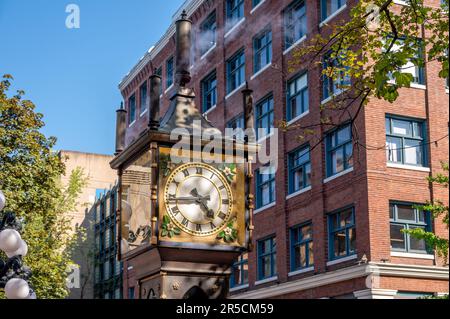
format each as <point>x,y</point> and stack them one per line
<point>72,74</point>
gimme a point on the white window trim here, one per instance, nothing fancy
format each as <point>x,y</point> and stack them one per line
<point>333,15</point>
<point>446,90</point>
<point>210,110</point>
<point>259,210</point>
<point>265,281</point>
<point>132,123</point>
<point>301,271</point>
<point>329,179</point>
<point>412,255</point>
<point>409,167</point>
<point>297,193</point>
<point>261,70</point>
<point>143,113</point>
<point>169,88</point>
<point>257,6</point>
<point>333,96</point>
<point>303,38</point>
<point>411,85</point>
<point>265,137</point>
<point>342,260</point>
<point>208,52</point>
<point>234,91</point>
<point>298,117</point>
<point>401,2</point>
<point>234,27</point>
<point>237,288</point>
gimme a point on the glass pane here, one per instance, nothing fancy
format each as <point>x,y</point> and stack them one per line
<point>413,152</point>
<point>311,254</point>
<point>388,126</point>
<point>417,129</point>
<point>298,179</point>
<point>401,127</point>
<point>346,218</point>
<point>245,274</point>
<point>306,232</point>
<point>308,174</point>
<point>344,135</point>
<point>394,149</point>
<point>337,160</point>
<point>339,244</point>
<point>421,216</point>
<point>266,266</point>
<point>405,212</point>
<point>416,244</point>
<point>349,155</point>
<point>352,240</point>
<point>391,211</point>
<point>397,237</point>
<point>295,235</point>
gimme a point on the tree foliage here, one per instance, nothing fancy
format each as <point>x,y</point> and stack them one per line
<point>30,177</point>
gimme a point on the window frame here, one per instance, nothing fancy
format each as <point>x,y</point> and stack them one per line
<point>426,224</point>
<point>237,119</point>
<point>231,72</point>
<point>209,25</point>
<point>266,36</point>
<point>332,231</point>
<point>422,141</point>
<point>143,98</point>
<point>170,72</point>
<point>211,91</point>
<point>259,116</point>
<point>239,264</point>
<point>302,242</point>
<point>292,168</point>
<point>333,134</point>
<point>290,27</point>
<point>330,86</point>
<point>230,12</point>
<point>259,184</point>
<point>130,113</point>
<point>273,257</point>
<point>301,91</point>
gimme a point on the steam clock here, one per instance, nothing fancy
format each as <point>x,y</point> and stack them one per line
<point>184,218</point>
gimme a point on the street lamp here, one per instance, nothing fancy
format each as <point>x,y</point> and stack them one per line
<point>14,275</point>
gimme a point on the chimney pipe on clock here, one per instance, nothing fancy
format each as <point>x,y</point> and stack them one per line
<point>183,50</point>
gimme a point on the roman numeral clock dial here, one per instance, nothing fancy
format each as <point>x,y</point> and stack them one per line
<point>198,199</point>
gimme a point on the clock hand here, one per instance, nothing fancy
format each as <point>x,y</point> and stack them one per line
<point>202,201</point>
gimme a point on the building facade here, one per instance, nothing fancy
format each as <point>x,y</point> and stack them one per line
<point>108,270</point>
<point>100,177</point>
<point>328,221</point>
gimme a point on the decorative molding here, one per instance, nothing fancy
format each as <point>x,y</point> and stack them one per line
<point>375,293</point>
<point>348,273</point>
<point>329,179</point>
<point>412,255</point>
<point>342,260</point>
<point>409,167</point>
<point>302,191</point>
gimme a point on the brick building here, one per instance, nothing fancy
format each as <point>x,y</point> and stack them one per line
<point>328,222</point>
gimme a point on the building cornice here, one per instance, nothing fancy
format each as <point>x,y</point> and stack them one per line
<point>364,270</point>
<point>190,6</point>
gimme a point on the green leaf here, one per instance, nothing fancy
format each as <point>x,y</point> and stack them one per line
<point>166,219</point>
<point>164,233</point>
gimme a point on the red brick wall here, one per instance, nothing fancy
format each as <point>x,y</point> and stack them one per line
<point>369,187</point>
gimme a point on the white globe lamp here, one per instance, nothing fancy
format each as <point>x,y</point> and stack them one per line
<point>17,289</point>
<point>10,240</point>
<point>2,200</point>
<point>22,251</point>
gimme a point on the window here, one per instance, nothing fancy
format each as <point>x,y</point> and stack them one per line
<point>112,237</point>
<point>334,86</point>
<point>262,48</point>
<point>132,109</point>
<point>267,257</point>
<point>159,73</point>
<point>209,92</point>
<point>299,169</point>
<point>235,71</point>
<point>413,66</point>
<point>295,25</point>
<point>342,235</point>
<point>239,274</point>
<point>265,186</point>
<point>238,125</point>
<point>298,97</point>
<point>169,72</point>
<point>405,217</point>
<point>208,30</point>
<point>405,141</point>
<point>302,254</point>
<point>331,6</point>
<point>264,117</point>
<point>143,96</point>
<point>235,12</point>
<point>339,150</point>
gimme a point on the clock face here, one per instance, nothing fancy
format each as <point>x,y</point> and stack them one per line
<point>198,199</point>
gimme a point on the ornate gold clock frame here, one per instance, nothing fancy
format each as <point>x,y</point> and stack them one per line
<point>182,225</point>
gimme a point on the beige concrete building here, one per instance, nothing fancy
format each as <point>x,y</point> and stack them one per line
<point>100,178</point>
